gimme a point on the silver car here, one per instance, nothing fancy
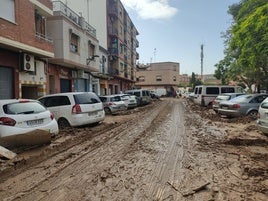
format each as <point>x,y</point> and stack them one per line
<point>223,97</point>
<point>262,121</point>
<point>242,105</point>
<point>113,104</point>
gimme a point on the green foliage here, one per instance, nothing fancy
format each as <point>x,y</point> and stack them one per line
<point>246,51</point>
<point>194,81</point>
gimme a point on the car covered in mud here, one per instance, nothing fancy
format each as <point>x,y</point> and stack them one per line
<point>24,116</point>
<point>242,105</point>
<point>74,108</point>
<point>113,104</point>
<point>223,97</point>
<point>262,121</point>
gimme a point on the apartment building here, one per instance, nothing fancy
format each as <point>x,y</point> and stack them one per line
<point>24,48</point>
<point>118,35</point>
<point>122,45</point>
<point>161,75</point>
<point>76,51</point>
<point>94,12</point>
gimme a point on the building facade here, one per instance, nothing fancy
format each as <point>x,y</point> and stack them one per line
<point>46,47</point>
<point>24,48</point>
<point>122,47</point>
<point>118,36</point>
<point>76,51</point>
<point>162,75</point>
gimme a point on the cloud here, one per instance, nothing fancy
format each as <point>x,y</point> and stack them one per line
<point>151,9</point>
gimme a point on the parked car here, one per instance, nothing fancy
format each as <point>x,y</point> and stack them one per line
<point>20,116</point>
<point>74,108</point>
<point>223,97</point>
<point>113,104</point>
<point>130,100</point>
<point>262,121</point>
<point>142,95</point>
<point>242,105</point>
<point>204,94</point>
<point>154,95</point>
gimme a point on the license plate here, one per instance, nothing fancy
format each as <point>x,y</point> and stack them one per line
<point>35,122</point>
<point>225,108</point>
<point>132,101</point>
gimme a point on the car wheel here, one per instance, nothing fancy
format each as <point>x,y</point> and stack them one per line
<point>63,123</point>
<point>253,114</point>
<point>107,110</point>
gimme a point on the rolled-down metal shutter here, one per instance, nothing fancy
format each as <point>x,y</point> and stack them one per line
<point>6,83</point>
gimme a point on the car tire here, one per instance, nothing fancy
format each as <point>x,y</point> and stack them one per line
<point>253,114</point>
<point>107,110</point>
<point>63,123</point>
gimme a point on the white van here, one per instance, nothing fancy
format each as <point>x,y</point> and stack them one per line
<point>205,94</point>
<point>143,95</point>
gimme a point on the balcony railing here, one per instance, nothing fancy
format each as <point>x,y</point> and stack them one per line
<point>60,8</point>
<point>43,37</point>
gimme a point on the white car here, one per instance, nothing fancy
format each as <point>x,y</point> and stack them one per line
<point>262,121</point>
<point>130,100</point>
<point>20,116</point>
<point>74,108</point>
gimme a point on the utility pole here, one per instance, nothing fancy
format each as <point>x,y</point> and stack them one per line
<point>202,56</point>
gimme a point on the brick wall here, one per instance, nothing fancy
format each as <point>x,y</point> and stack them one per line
<point>23,30</point>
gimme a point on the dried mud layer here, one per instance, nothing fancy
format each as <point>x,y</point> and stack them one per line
<point>167,150</point>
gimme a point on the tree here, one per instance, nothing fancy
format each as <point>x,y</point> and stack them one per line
<point>194,82</point>
<point>246,51</point>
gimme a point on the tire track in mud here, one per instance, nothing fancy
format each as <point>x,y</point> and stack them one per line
<point>70,158</point>
<point>164,177</point>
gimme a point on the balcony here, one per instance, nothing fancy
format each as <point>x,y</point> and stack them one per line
<point>60,9</point>
<point>43,37</point>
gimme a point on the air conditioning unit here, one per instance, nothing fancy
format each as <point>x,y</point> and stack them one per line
<point>28,64</point>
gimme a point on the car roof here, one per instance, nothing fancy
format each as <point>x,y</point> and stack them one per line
<point>7,101</point>
<point>66,93</point>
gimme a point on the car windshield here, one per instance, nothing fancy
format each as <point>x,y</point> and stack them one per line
<point>24,108</point>
<point>86,98</point>
<point>242,99</point>
<point>116,98</point>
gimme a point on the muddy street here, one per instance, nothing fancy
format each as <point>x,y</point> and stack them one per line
<point>162,151</point>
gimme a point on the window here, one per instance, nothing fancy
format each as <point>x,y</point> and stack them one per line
<point>158,78</point>
<point>121,48</point>
<point>40,24</point>
<point>74,43</point>
<point>86,98</point>
<point>174,78</point>
<point>91,49</point>
<point>7,10</point>
<point>121,67</point>
<point>227,90</point>
<point>212,90</point>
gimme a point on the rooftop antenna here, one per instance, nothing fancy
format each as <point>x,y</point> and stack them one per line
<point>154,53</point>
<point>202,57</point>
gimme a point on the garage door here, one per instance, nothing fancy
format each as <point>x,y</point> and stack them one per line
<point>6,83</point>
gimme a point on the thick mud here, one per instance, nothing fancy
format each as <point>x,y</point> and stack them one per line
<point>168,150</point>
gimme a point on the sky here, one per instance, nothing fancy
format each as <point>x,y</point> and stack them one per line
<point>174,30</point>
